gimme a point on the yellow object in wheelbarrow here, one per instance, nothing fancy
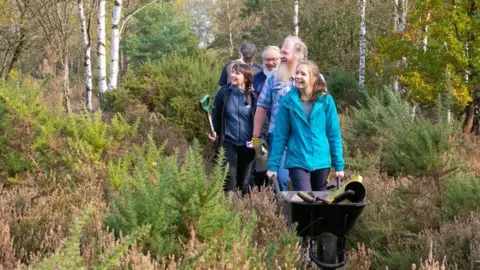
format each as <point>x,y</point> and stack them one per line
<point>350,191</point>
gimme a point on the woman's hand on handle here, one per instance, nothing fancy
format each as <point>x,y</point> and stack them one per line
<point>340,174</point>
<point>212,137</point>
<point>271,174</point>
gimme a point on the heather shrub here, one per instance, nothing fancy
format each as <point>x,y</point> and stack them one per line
<point>69,257</point>
<point>359,258</point>
<point>456,241</point>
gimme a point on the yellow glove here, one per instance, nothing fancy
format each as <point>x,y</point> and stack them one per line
<point>256,142</point>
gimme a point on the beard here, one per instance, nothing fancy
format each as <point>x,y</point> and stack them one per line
<point>285,72</point>
<point>267,72</point>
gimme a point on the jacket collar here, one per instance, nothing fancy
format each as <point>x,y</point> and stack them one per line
<point>294,103</point>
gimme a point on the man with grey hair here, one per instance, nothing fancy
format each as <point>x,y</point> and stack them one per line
<point>276,86</point>
<point>247,56</point>
<point>271,61</point>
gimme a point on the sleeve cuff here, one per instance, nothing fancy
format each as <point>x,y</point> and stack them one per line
<point>273,168</point>
<point>263,105</point>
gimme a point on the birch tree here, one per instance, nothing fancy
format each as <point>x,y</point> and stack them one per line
<point>425,34</point>
<point>400,22</point>
<point>115,44</point>
<point>229,21</point>
<point>363,38</point>
<point>229,25</point>
<point>101,51</point>
<point>86,42</point>
<point>295,17</point>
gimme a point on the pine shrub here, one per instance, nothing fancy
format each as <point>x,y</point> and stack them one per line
<point>411,144</point>
<point>173,200</point>
<point>343,86</point>
<point>191,218</point>
<point>172,88</point>
<point>461,196</point>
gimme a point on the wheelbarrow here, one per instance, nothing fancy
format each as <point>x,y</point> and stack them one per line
<point>324,225</point>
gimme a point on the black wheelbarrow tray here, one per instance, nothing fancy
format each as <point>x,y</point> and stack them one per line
<point>324,224</point>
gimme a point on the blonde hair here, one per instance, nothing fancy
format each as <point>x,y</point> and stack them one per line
<point>319,83</point>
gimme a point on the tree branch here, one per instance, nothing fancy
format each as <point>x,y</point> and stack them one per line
<point>126,18</point>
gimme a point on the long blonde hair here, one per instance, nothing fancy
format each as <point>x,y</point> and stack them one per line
<point>319,83</point>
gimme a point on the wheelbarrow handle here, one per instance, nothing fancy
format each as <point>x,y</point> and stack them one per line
<point>276,186</point>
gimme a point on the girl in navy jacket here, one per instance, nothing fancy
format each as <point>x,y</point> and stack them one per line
<point>232,117</point>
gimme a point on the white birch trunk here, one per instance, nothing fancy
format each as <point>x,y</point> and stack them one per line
<point>295,17</point>
<point>101,56</point>
<point>400,18</point>
<point>66,82</point>
<point>425,35</point>
<point>363,39</point>
<point>230,35</point>
<point>115,44</point>
<point>87,56</point>
<point>467,76</point>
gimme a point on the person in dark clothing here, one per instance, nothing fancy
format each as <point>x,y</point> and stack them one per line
<point>247,56</point>
<point>232,117</point>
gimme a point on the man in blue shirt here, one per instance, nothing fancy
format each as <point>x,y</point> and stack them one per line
<point>271,61</point>
<point>276,86</point>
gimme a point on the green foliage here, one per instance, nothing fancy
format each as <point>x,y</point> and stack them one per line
<point>174,201</point>
<point>461,196</point>
<point>159,30</point>
<point>19,106</point>
<point>34,137</point>
<point>188,213</point>
<point>411,146</point>
<point>344,88</point>
<point>172,88</point>
<point>89,138</point>
<point>398,260</point>
<point>451,36</point>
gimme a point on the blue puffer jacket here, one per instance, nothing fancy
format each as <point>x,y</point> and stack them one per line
<point>314,143</point>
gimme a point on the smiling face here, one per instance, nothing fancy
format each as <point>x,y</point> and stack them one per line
<point>271,60</point>
<point>303,79</point>
<point>237,78</point>
<point>288,52</point>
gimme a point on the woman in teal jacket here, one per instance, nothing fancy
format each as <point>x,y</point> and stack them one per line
<point>307,124</point>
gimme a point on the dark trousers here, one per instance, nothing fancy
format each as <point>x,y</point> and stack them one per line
<point>303,180</point>
<point>261,179</point>
<point>239,159</point>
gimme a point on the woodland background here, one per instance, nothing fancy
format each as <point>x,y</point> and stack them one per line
<point>104,161</point>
